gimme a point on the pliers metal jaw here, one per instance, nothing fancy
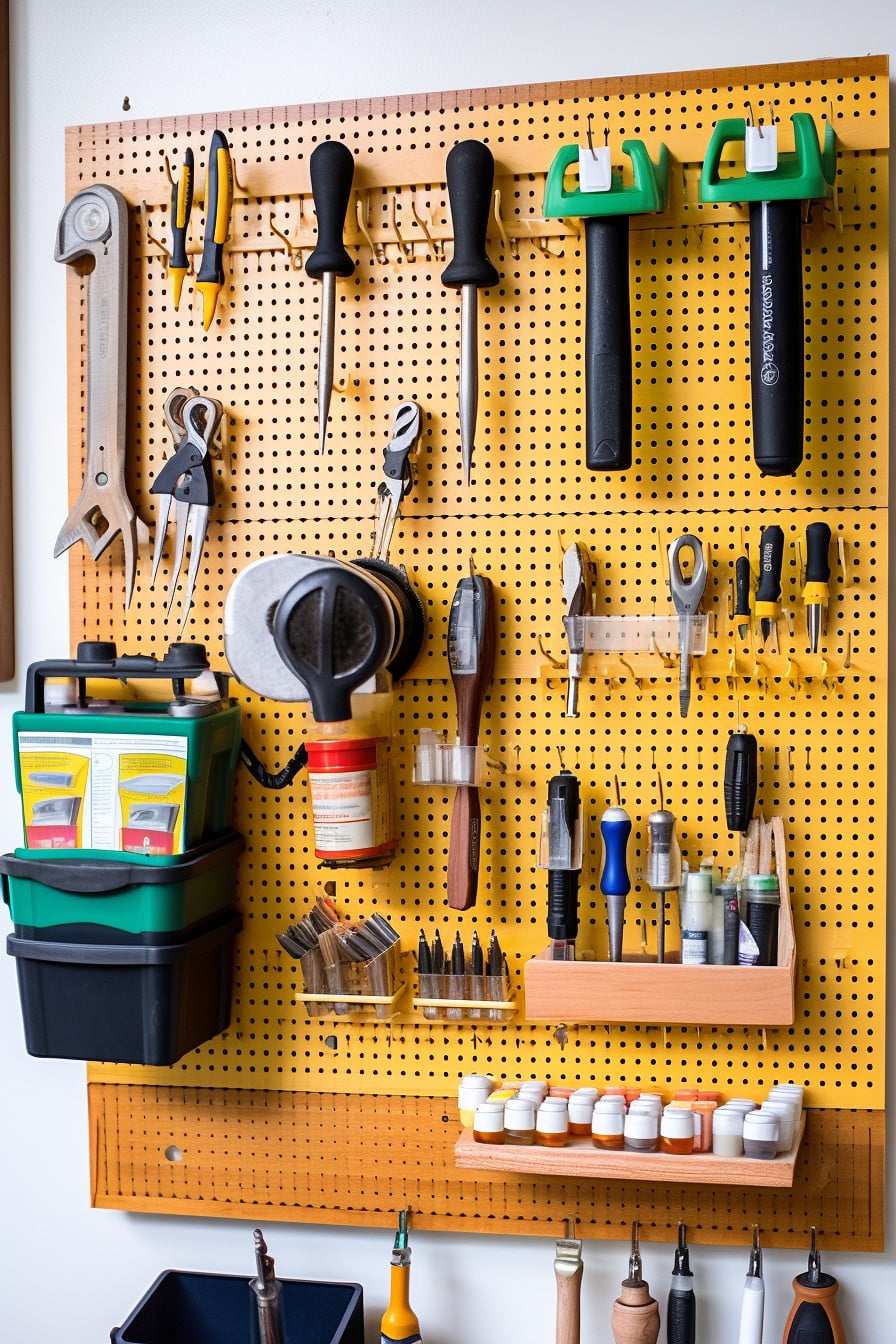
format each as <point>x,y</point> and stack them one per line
<point>398,473</point>
<point>186,487</point>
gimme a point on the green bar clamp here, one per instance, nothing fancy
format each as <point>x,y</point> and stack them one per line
<point>648,193</point>
<point>804,174</point>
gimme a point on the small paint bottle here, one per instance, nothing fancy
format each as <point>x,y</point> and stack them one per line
<point>581,1109</point>
<point>761,1136</point>
<point>791,1092</point>
<point>727,1131</point>
<point>784,1112</point>
<point>488,1122</point>
<point>703,1110</point>
<point>475,1087</point>
<point>607,1126</point>
<point>677,1131</point>
<point>552,1125</point>
<point>641,1133</point>
<point>519,1121</point>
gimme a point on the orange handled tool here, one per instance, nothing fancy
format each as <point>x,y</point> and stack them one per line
<point>814,1318</point>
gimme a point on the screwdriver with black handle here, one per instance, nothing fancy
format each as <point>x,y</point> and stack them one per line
<point>814,1318</point>
<point>564,863</point>
<point>741,779</point>
<point>768,593</point>
<point>218,204</point>
<point>470,174</point>
<point>332,167</point>
<point>742,595</point>
<point>818,574</point>
<point>181,205</point>
<point>681,1311</point>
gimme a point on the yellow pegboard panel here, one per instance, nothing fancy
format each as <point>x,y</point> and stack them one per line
<point>821,726</point>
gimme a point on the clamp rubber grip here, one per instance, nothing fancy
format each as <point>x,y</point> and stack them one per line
<point>470,174</point>
<point>332,167</point>
<point>776,336</point>
<point>608,345</point>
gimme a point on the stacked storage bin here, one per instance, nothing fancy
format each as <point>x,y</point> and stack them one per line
<point>122,898</point>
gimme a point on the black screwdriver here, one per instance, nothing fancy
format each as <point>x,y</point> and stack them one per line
<point>470,174</point>
<point>681,1312</point>
<point>741,780</point>
<point>814,1318</point>
<point>742,595</point>
<point>776,335</point>
<point>332,167</point>
<point>768,594</point>
<point>818,573</point>
<point>564,862</point>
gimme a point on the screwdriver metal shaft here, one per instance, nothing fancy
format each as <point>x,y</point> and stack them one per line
<point>332,167</point>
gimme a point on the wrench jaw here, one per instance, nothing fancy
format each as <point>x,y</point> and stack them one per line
<point>93,522</point>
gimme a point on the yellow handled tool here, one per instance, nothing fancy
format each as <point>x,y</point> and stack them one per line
<point>399,1324</point>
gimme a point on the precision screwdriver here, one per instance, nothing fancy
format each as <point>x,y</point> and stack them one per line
<point>681,1312</point>
<point>814,1318</point>
<point>332,167</point>
<point>470,174</point>
<point>636,1315</point>
<point>181,205</point>
<point>752,1310</point>
<point>818,573</point>
<point>768,593</point>
<point>615,884</point>
<point>742,595</point>
<point>218,204</point>
<point>663,866</point>
<point>562,856</point>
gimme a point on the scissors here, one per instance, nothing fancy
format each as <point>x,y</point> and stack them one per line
<point>687,593</point>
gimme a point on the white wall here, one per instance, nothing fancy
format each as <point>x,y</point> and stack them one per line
<point>70,1272</point>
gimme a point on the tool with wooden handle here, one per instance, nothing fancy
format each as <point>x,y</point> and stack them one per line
<point>471,659</point>
<point>814,1318</point>
<point>568,1275</point>
<point>636,1316</point>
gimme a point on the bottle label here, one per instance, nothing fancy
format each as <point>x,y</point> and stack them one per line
<point>693,947</point>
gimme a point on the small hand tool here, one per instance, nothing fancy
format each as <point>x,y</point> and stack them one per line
<point>775,185</point>
<point>399,476</point>
<point>681,1312</point>
<point>477,975</point>
<point>181,205</point>
<point>687,593</point>
<point>267,1292</point>
<point>818,574</point>
<point>768,593</point>
<point>562,842</point>
<point>471,660</point>
<point>94,224</point>
<point>218,205</point>
<point>742,595</point>
<point>615,829</point>
<point>568,1269</point>
<point>814,1317</point>
<point>663,866</point>
<point>332,167</point>
<point>752,1310</point>
<point>470,173</point>
<point>186,483</point>
<point>457,974</point>
<point>577,600</point>
<point>636,1315</point>
<point>399,1324</point>
<point>741,780</point>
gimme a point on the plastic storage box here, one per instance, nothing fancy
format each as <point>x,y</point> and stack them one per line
<point>140,899</point>
<point>125,1004</point>
<point>187,1308</point>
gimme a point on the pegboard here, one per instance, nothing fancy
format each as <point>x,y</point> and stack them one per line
<point>821,722</point>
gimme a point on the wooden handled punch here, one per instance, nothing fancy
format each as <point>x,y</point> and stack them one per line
<point>471,659</point>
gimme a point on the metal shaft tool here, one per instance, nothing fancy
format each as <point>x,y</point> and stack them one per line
<point>768,593</point>
<point>818,574</point>
<point>267,1295</point>
<point>568,1269</point>
<point>332,167</point>
<point>687,592</point>
<point>615,883</point>
<point>94,224</point>
<point>562,839</point>
<point>470,173</point>
<point>577,590</point>
<point>399,1324</point>
<point>681,1312</point>
<point>471,660</point>
<point>814,1317</point>
<point>663,866</point>
<point>752,1309</point>
<point>218,205</point>
<point>181,205</point>
<point>636,1316</point>
<point>742,595</point>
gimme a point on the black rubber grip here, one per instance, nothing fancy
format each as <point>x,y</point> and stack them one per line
<point>608,345</point>
<point>776,335</point>
<point>563,904</point>
<point>681,1318</point>
<point>818,542</point>
<point>810,1325</point>
<point>332,166</point>
<point>742,586</point>
<point>470,174</point>
<point>741,779</point>
<point>771,558</point>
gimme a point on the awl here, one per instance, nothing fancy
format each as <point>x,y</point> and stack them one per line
<point>332,167</point>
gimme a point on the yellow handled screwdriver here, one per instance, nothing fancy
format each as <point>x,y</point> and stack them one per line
<point>399,1324</point>
<point>218,204</point>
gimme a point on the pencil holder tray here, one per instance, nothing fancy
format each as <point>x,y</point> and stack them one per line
<point>447,764</point>
<point>465,998</point>
<point>352,989</point>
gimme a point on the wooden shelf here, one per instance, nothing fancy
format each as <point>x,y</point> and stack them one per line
<point>580,1159</point>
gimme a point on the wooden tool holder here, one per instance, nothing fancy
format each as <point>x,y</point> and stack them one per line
<point>286,1117</point>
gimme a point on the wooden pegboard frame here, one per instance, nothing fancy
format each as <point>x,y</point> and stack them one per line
<point>692,462</point>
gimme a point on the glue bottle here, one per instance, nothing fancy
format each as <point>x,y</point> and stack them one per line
<point>696,916</point>
<point>399,1324</point>
<point>349,770</point>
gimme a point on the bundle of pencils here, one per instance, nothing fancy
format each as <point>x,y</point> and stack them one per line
<point>469,981</point>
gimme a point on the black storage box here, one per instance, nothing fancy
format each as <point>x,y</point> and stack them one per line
<point>125,1004</point>
<point>186,1308</point>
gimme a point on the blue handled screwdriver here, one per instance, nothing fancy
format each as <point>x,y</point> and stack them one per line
<point>615,829</point>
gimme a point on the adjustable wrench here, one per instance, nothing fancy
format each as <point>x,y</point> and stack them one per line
<point>95,224</point>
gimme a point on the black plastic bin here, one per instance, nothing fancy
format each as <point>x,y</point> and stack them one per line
<point>182,1307</point>
<point>125,1004</point>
